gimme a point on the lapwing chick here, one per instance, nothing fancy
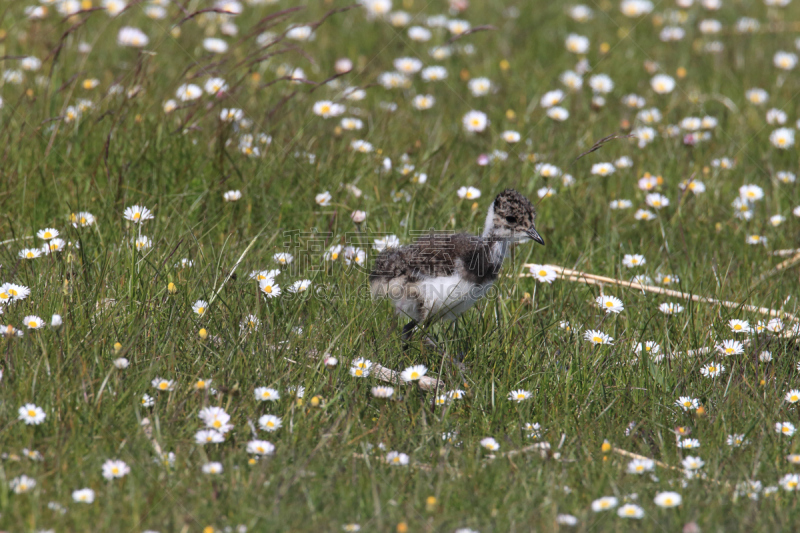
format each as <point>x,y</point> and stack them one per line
<point>442,275</point>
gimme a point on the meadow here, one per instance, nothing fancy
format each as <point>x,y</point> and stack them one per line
<point>193,193</point>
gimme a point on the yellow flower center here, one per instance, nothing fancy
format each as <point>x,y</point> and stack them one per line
<point>668,501</point>
<point>334,256</point>
<point>597,339</point>
<point>794,398</point>
<point>217,424</point>
<point>115,470</point>
<point>358,372</point>
<point>163,385</point>
<point>29,255</point>
<point>268,289</point>
<point>47,234</point>
<point>270,424</point>
<point>32,323</point>
<point>414,375</point>
<point>31,413</point>
<point>737,327</point>
<point>728,351</point>
<point>201,384</point>
<point>609,304</point>
<point>201,310</point>
<point>476,122</point>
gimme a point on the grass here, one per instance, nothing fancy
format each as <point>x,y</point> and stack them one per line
<point>327,469</point>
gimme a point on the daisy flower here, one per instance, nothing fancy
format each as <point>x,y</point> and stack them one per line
<point>785,428</point>
<point>323,199</point>
<point>687,403</point>
<point>656,200</point>
<point>604,504</point>
<point>31,414</point>
<point>114,468</point>
<point>422,102</point>
<point>397,458</point>
<point>475,121</point>
<point>208,436</point>
<point>782,138</point>
<point>620,204</point>
<point>269,288</point>
<point>543,273</point>
<point>260,447</point>
<point>137,214</point>
<point>33,322</point>
<point>265,394</point>
<point>689,444</point>
<point>736,440</point>
<point>712,370</point>
<point>300,286</point>
<point>670,308</point>
<point>83,496</point>
<point>558,113</point>
<point>793,396</point>
<point>468,193</point>
<point>603,169</point>
<point>22,484</point>
<point>730,347</point>
<point>360,367</point>
<point>47,234</point>
<point>633,260</point>
<point>382,392</point>
<point>662,83</point>
<point>30,253</point>
<point>413,373</point>
<point>630,510</point>
<point>668,499</point>
<point>212,468</point>
<point>739,326</point>
<point>790,482</point>
<point>164,385</point>
<point>610,304</point>
<point>519,395</point>
<point>269,423</point>
<point>232,196</point>
<point>283,258</point>
<point>200,307</point>
<point>641,466</point>
<point>490,444</point>
<point>132,37</point>
<point>597,337</point>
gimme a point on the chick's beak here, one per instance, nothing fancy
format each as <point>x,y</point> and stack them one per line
<point>534,235</point>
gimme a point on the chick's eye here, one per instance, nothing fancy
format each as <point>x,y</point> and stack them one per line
<point>511,219</point>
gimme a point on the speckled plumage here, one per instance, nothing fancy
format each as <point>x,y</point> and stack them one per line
<point>442,275</point>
